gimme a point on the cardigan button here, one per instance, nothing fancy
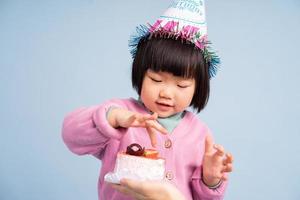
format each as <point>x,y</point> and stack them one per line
<point>169,175</point>
<point>168,144</point>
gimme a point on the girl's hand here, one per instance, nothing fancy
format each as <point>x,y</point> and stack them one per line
<point>148,190</point>
<point>119,117</point>
<point>215,163</point>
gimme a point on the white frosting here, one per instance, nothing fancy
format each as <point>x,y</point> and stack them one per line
<point>137,168</point>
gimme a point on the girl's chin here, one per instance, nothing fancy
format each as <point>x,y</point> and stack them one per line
<point>164,115</point>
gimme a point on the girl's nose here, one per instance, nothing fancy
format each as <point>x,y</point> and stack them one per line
<point>165,93</point>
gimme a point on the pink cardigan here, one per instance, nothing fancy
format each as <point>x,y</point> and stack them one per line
<point>86,131</point>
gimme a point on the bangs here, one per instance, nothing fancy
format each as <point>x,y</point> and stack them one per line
<point>177,57</point>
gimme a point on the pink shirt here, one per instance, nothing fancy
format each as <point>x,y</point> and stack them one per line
<point>86,131</point>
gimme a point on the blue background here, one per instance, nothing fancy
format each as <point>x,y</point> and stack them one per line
<point>58,55</point>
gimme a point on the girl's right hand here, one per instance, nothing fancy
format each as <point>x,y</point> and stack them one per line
<point>119,117</point>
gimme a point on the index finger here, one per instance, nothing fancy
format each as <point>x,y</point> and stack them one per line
<point>157,126</point>
<point>219,149</point>
<point>228,159</point>
<point>152,136</point>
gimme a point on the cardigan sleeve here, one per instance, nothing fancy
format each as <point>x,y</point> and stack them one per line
<point>87,131</point>
<point>203,192</point>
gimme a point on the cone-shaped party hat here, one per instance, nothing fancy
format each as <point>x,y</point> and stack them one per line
<point>184,19</point>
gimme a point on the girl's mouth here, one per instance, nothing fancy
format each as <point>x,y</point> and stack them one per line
<point>163,106</point>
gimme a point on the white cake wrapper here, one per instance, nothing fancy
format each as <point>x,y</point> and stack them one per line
<point>136,168</point>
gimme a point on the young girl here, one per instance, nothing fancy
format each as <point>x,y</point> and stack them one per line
<point>171,70</point>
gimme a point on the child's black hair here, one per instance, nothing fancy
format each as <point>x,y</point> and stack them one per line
<point>177,57</point>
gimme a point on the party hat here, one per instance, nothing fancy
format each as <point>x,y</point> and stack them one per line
<point>184,19</point>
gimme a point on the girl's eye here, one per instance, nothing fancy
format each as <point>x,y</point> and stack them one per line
<point>155,80</point>
<point>183,86</point>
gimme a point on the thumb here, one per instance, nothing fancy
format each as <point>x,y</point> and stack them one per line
<point>209,144</point>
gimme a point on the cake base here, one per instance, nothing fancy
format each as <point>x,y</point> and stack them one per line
<point>136,168</point>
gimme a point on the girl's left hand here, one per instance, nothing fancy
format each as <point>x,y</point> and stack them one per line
<point>215,162</point>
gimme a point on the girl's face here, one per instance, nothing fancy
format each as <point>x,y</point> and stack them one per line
<point>166,94</point>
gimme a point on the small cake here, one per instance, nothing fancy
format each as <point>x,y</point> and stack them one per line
<point>137,163</point>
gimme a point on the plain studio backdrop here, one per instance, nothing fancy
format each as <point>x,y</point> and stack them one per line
<point>59,55</point>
